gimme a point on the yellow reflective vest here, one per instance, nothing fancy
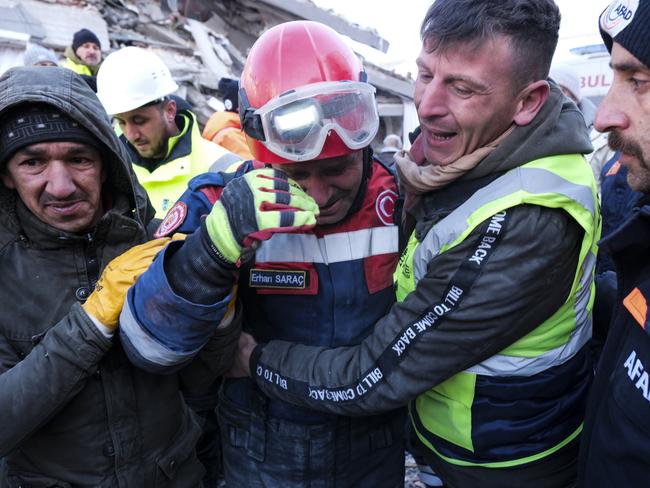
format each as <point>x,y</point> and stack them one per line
<point>451,418</point>
<point>78,68</point>
<point>188,155</point>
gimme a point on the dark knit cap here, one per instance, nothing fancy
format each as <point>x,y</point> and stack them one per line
<point>83,36</point>
<point>627,22</point>
<point>229,91</point>
<point>28,124</point>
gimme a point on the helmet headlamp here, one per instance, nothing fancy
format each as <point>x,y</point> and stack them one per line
<point>295,124</point>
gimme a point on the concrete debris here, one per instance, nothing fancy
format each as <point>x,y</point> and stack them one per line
<point>216,64</point>
<point>201,41</point>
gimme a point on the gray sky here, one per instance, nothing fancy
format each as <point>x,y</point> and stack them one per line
<point>399,22</point>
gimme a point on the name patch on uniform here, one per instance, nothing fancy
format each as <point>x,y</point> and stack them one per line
<point>278,278</point>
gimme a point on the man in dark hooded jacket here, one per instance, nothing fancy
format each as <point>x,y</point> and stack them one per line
<point>74,411</point>
<point>616,439</point>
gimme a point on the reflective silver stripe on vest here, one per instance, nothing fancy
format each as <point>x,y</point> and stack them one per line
<point>502,365</point>
<point>531,180</point>
<point>583,293</point>
<point>224,162</point>
<point>333,248</point>
<point>147,346</point>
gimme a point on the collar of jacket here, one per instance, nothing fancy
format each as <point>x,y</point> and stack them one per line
<point>115,225</point>
<point>634,230</point>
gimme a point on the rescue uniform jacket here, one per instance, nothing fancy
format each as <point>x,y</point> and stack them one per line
<point>73,410</point>
<point>291,290</point>
<point>224,128</point>
<point>617,203</point>
<point>541,263</point>
<point>616,438</point>
<point>326,286</point>
<point>188,155</point>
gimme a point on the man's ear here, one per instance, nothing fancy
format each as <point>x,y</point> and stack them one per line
<point>170,110</point>
<point>531,100</point>
<point>7,179</point>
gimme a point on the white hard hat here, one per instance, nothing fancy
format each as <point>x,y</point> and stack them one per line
<point>132,77</point>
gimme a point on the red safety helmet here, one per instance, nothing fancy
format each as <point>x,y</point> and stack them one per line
<point>303,96</point>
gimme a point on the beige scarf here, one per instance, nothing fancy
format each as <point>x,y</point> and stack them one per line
<point>417,179</point>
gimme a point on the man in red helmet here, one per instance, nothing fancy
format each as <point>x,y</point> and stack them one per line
<point>489,340</point>
<point>309,242</point>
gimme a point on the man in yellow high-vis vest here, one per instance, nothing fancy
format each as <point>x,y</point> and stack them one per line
<point>159,130</point>
<point>488,342</point>
<point>84,55</point>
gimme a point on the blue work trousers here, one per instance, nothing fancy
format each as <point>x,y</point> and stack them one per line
<point>263,451</point>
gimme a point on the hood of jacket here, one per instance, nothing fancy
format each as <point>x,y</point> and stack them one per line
<point>69,93</point>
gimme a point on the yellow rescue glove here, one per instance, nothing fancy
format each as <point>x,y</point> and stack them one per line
<point>106,301</point>
<point>252,208</point>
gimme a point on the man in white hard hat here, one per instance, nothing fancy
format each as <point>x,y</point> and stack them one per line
<point>160,132</point>
<point>164,143</point>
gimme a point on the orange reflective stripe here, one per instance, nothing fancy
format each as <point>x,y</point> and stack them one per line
<point>637,305</point>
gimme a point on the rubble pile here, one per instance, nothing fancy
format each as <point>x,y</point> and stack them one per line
<point>200,40</point>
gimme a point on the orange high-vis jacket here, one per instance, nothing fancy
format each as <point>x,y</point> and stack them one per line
<point>224,128</point>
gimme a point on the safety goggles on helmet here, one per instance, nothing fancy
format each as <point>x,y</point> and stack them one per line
<point>295,124</point>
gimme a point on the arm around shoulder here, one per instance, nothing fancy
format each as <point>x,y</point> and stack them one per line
<point>437,331</point>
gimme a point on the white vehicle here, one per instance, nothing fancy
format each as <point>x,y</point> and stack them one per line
<point>591,63</point>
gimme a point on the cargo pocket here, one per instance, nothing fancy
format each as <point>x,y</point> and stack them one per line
<point>180,461</point>
<point>242,429</point>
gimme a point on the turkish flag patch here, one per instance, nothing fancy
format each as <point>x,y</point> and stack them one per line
<point>173,220</point>
<point>385,206</point>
